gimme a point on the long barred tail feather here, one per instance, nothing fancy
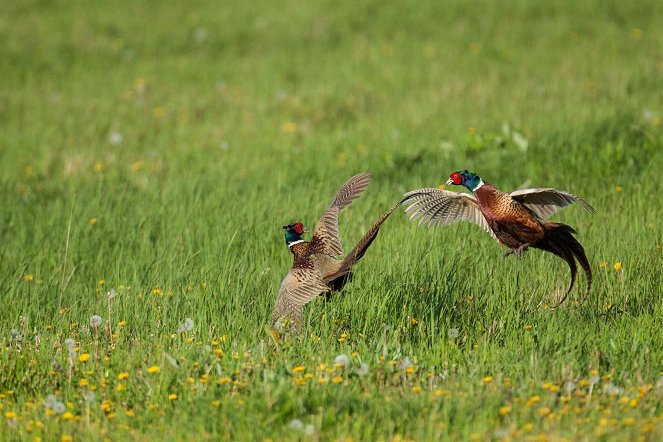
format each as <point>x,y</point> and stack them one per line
<point>343,275</point>
<point>559,240</point>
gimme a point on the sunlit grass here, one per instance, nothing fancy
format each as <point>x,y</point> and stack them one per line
<point>151,153</point>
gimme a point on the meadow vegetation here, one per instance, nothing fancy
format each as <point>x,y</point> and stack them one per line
<point>151,151</point>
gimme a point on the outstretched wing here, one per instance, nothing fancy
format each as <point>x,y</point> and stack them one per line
<point>299,287</point>
<point>545,202</point>
<point>326,238</point>
<point>437,206</point>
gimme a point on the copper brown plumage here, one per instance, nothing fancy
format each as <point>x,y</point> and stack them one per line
<point>516,219</point>
<point>316,269</point>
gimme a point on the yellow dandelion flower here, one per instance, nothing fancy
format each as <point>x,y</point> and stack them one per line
<point>533,400</point>
<point>218,352</point>
<point>629,421</point>
<point>122,323</point>
<point>68,416</point>
<point>216,403</point>
<point>617,266</point>
<point>441,186</point>
<point>84,357</point>
<point>224,380</point>
<point>337,379</point>
<point>289,127</point>
<point>83,382</point>
<point>120,387</point>
<point>28,278</point>
<point>101,282</point>
<point>92,221</point>
<point>99,167</point>
<point>10,415</point>
<point>603,265</point>
<point>138,166</point>
<point>505,410</point>
<point>488,379</point>
<point>111,416</point>
<point>129,413</point>
<point>323,380</point>
<point>416,389</point>
<point>154,369</point>
<point>172,396</point>
<point>544,411</point>
<point>528,327</point>
<point>66,438</point>
<point>411,369</point>
<point>157,291</point>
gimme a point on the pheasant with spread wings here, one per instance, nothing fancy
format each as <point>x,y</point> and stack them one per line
<point>516,219</point>
<point>316,269</point>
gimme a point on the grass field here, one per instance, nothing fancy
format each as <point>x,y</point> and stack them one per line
<point>153,150</point>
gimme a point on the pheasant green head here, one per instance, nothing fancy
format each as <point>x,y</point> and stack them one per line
<point>468,179</point>
<point>293,233</point>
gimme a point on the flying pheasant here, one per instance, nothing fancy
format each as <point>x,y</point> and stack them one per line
<point>516,219</point>
<point>316,269</point>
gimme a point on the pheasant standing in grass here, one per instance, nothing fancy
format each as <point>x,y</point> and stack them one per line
<point>316,269</point>
<point>515,219</point>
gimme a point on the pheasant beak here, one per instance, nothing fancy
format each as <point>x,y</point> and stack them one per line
<point>449,182</point>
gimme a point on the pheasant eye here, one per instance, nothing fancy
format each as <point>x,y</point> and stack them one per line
<point>456,178</point>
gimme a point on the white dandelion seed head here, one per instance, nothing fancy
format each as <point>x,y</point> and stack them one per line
<point>224,145</point>
<point>50,400</point>
<point>115,138</point>
<point>404,364</point>
<point>570,386</point>
<point>200,34</point>
<point>659,383</point>
<point>89,396</point>
<point>70,343</point>
<point>362,370</point>
<point>84,330</point>
<point>296,425</point>
<point>342,360</point>
<point>453,333</point>
<point>111,294</point>
<point>309,430</point>
<point>95,321</point>
<point>612,389</point>
<point>59,407</point>
<point>594,379</point>
<point>16,335</point>
<point>185,325</point>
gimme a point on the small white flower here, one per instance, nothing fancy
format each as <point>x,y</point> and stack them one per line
<point>296,425</point>
<point>115,137</point>
<point>362,370</point>
<point>95,321</point>
<point>453,333</point>
<point>343,360</point>
<point>185,325</point>
<point>404,364</point>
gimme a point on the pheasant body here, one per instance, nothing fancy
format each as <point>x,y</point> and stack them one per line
<point>316,270</point>
<point>515,219</point>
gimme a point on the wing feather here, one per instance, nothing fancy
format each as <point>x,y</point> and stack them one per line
<point>299,287</point>
<point>544,202</point>
<point>442,207</point>
<point>326,238</point>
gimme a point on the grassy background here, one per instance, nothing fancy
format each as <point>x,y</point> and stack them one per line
<point>157,149</point>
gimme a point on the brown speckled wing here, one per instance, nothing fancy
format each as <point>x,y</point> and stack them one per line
<point>299,287</point>
<point>437,206</point>
<point>326,238</point>
<point>545,202</point>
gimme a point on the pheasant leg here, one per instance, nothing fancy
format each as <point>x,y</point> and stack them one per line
<point>520,251</point>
